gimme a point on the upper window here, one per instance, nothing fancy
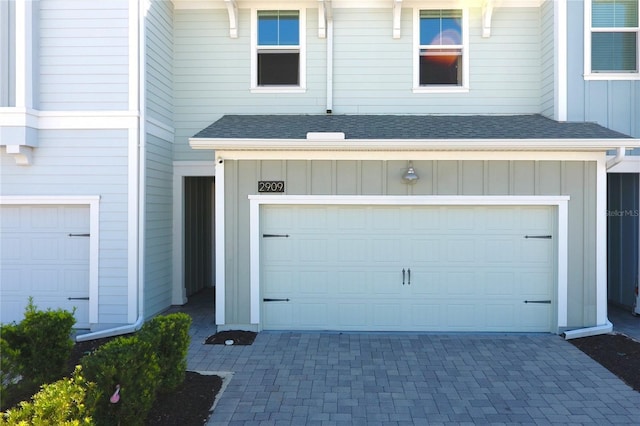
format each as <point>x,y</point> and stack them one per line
<point>612,45</point>
<point>278,57</point>
<point>441,50</point>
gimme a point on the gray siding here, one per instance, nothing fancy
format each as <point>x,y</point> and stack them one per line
<point>372,71</point>
<point>547,92</point>
<point>84,49</point>
<point>158,226</point>
<point>85,162</point>
<point>576,179</point>
<point>158,162</point>
<point>613,104</point>
<point>159,66</point>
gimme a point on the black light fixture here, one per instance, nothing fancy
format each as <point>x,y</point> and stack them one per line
<point>410,176</point>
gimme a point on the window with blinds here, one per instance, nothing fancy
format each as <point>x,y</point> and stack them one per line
<point>614,36</point>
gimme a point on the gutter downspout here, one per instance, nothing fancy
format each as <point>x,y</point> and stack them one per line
<point>329,12</point>
<point>608,326</point>
<point>140,187</point>
<point>620,154</point>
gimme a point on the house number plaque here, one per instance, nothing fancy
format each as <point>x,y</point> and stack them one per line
<point>270,186</point>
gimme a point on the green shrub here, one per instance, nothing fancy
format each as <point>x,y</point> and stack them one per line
<point>9,363</point>
<point>131,363</point>
<point>169,335</point>
<point>43,339</point>
<point>58,403</point>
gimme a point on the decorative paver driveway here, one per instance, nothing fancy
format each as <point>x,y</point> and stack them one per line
<point>373,378</point>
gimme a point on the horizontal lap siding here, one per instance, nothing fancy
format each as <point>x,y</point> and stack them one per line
<point>548,58</point>
<point>83,55</point>
<point>322,177</point>
<point>158,226</point>
<point>159,159</point>
<point>159,65</point>
<point>85,162</point>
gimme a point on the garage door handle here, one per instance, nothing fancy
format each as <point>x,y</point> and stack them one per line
<point>275,235</point>
<point>409,282</point>
<point>544,237</point>
<point>403,272</point>
<point>79,235</point>
<point>77,298</point>
<point>275,300</point>
<point>538,301</point>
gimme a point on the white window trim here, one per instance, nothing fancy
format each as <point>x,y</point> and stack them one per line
<point>417,88</point>
<point>302,87</point>
<point>588,74</point>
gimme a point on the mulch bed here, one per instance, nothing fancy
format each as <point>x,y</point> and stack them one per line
<point>233,337</point>
<point>617,353</point>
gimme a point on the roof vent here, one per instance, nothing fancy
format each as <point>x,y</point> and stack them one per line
<point>333,136</point>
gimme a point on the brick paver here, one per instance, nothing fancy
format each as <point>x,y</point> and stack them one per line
<point>293,378</point>
<point>408,378</point>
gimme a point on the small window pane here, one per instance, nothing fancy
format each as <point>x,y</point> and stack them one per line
<point>440,27</point>
<point>440,66</point>
<point>277,68</point>
<point>614,52</point>
<point>278,28</point>
<point>614,13</point>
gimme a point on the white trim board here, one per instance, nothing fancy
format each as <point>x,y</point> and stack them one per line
<point>560,202</point>
<point>93,201</point>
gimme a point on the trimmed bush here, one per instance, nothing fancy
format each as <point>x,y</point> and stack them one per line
<point>43,340</point>
<point>128,362</point>
<point>58,403</point>
<point>169,335</point>
<point>9,362</point>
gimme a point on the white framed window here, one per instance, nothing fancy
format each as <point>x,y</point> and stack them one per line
<point>278,57</point>
<point>612,45</point>
<point>441,50</point>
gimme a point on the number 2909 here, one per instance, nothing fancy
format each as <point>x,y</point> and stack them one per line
<point>271,186</point>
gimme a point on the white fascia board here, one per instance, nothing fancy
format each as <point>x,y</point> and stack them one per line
<point>67,120</point>
<point>349,4</point>
<point>412,144</point>
<point>413,155</point>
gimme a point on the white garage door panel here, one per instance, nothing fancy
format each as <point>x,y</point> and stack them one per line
<point>41,260</point>
<point>422,268</point>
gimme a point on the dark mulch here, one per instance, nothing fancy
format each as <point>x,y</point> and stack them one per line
<point>234,337</point>
<point>617,353</point>
<point>189,405</point>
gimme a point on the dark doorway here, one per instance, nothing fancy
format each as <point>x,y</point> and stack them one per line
<point>623,211</point>
<point>199,250</point>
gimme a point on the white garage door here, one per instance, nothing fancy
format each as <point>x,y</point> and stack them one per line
<point>421,268</point>
<point>45,254</point>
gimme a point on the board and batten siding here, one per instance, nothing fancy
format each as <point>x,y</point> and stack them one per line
<point>83,55</point>
<point>547,63</point>
<point>158,226</point>
<point>612,104</point>
<point>85,162</point>
<point>372,71</point>
<point>159,65</point>
<point>326,177</point>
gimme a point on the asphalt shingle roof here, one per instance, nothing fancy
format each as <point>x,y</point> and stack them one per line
<point>403,127</point>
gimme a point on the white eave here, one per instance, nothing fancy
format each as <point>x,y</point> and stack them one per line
<point>416,145</point>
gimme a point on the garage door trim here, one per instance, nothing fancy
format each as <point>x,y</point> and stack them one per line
<point>560,202</point>
<point>93,201</point>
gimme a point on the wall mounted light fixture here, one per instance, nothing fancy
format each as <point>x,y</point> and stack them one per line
<point>410,176</point>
